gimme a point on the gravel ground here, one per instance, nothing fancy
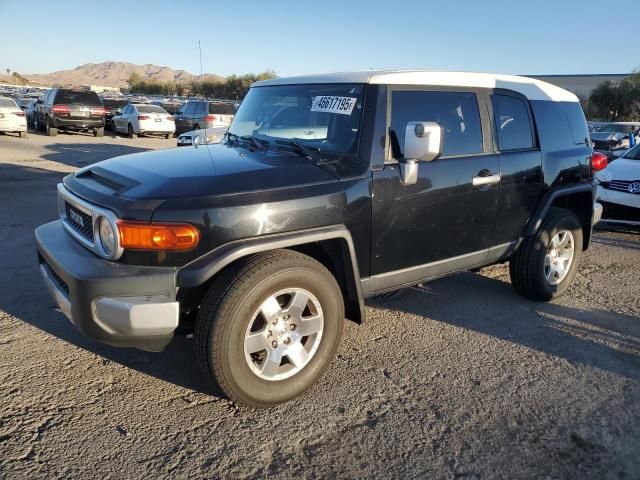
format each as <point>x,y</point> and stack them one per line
<point>460,378</point>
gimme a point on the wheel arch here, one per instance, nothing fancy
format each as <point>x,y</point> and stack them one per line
<point>332,246</point>
<point>578,198</point>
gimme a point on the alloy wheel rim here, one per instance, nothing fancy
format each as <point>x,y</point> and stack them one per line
<point>284,334</point>
<point>559,257</point>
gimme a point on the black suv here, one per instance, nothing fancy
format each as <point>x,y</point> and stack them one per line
<point>67,109</point>
<point>112,106</point>
<point>326,190</point>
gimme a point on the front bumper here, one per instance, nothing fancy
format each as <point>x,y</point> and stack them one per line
<point>121,305</point>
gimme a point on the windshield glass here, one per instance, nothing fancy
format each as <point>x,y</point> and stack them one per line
<point>7,103</point>
<point>617,128</point>
<point>633,154</point>
<point>325,116</point>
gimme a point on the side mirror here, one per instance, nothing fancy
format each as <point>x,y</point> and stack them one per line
<point>422,143</point>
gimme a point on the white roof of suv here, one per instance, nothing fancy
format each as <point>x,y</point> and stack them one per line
<point>529,87</point>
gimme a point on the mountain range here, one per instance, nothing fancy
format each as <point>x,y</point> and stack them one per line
<point>114,74</point>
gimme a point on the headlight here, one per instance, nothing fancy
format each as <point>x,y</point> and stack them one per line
<point>107,237</point>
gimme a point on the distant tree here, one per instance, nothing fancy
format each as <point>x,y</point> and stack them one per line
<point>8,70</point>
<point>616,101</point>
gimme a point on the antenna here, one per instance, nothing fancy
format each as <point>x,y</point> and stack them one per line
<point>206,139</point>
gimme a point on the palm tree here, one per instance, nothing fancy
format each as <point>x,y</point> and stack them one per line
<point>8,71</point>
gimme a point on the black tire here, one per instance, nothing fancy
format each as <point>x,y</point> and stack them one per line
<point>98,132</point>
<point>527,266</point>
<point>227,311</point>
<point>132,134</point>
<point>196,127</point>
<point>22,134</point>
<point>51,131</point>
<point>114,130</point>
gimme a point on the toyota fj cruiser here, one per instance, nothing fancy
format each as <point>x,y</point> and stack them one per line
<point>325,191</point>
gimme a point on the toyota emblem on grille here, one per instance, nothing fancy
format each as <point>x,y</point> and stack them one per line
<point>634,187</point>
<point>77,218</point>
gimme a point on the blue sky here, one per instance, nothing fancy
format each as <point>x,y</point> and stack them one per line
<point>297,37</point>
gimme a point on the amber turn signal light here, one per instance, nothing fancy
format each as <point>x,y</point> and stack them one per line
<point>157,236</point>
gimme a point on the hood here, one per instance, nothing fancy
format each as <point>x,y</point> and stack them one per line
<point>621,169</point>
<point>192,172</point>
<point>607,136</point>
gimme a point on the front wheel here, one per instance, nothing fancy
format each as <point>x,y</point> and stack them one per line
<point>98,132</point>
<point>546,264</point>
<point>22,134</point>
<point>269,326</point>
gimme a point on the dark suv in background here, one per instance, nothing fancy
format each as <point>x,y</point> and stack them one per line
<point>67,109</point>
<point>198,114</point>
<point>112,106</point>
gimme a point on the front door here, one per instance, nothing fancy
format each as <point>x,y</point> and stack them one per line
<point>445,221</point>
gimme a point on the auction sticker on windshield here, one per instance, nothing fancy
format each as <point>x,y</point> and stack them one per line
<point>341,105</point>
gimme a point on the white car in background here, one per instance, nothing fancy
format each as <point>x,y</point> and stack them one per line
<point>201,137</point>
<point>144,119</point>
<point>619,189</point>
<point>12,119</point>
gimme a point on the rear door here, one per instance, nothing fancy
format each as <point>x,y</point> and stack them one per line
<point>444,222</point>
<point>197,119</point>
<point>520,164</point>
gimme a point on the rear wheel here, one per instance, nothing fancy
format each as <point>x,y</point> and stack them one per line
<point>132,134</point>
<point>22,134</point>
<point>168,136</point>
<point>98,132</point>
<point>269,326</point>
<point>196,127</point>
<point>546,264</point>
<point>51,131</point>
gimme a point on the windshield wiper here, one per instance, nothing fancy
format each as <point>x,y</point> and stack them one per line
<point>256,142</point>
<point>308,152</point>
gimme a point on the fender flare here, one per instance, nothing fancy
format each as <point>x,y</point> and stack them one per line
<point>203,268</point>
<point>550,196</point>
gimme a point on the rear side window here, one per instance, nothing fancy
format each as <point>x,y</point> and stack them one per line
<point>512,122</point>
<point>199,109</point>
<point>456,112</point>
<point>150,109</point>
<point>577,122</point>
<point>190,108</point>
<point>82,97</point>
<point>222,109</point>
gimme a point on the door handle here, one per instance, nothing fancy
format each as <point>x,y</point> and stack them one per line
<point>486,180</point>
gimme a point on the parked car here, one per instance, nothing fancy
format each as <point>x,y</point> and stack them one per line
<point>30,112</point>
<point>201,137</point>
<point>112,107</point>
<point>613,138</point>
<point>197,114</point>
<point>357,184</point>
<point>12,119</point>
<point>70,110</point>
<point>144,119</point>
<point>619,189</point>
<point>171,107</point>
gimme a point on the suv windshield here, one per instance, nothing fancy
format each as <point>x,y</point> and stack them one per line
<point>83,97</point>
<point>633,154</point>
<point>325,116</point>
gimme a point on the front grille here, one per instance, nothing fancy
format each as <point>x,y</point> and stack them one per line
<point>603,146</point>
<point>613,211</point>
<point>621,186</point>
<point>80,221</point>
<point>61,283</point>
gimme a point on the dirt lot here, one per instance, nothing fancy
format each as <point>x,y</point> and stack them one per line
<point>460,378</point>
